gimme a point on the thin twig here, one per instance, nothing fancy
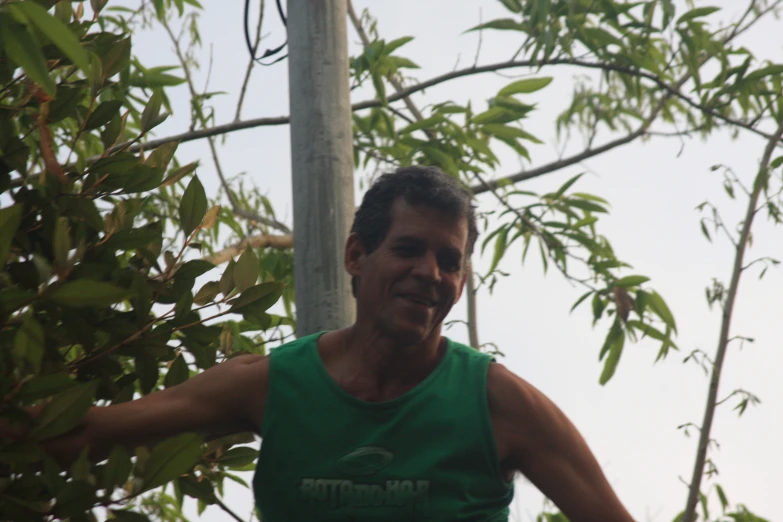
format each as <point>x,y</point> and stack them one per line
<point>235,206</point>
<point>728,308</point>
<point>251,62</point>
<point>225,508</point>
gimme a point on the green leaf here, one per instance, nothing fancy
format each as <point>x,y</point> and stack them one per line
<point>116,58</point>
<point>194,268</point>
<point>151,112</point>
<point>764,72</point>
<point>508,131</point>
<point>658,305</point>
<point>615,348</point>
<point>501,24</point>
<point>238,457</point>
<point>599,36</point>
<point>501,242</point>
<point>102,114</point>
<point>179,174</point>
<point>178,372</point>
<point>207,293</point>
<point>515,6</point>
<point>647,330</point>
<point>117,469</point>
<point>98,5</point>
<point>392,46</point>
<point>45,386</point>
<point>147,370</point>
<point>128,516</point>
<point>525,86</point>
<point>631,280</point>
<point>724,502</point>
<point>23,50</point>
<point>57,32</point>
<point>64,412</point>
<point>118,163</point>
<point>423,124</point>
<point>253,294</point>
<point>200,489</point>
<point>10,218</point>
<point>567,185</point>
<point>402,63</point>
<point>696,13</point>
<point>192,206</point>
<point>161,157</point>
<point>62,242</point>
<point>777,162</point>
<point>96,74</point>
<point>598,308</point>
<point>134,238</point>
<point>580,300</point>
<point>584,205</point>
<point>86,292</point>
<point>172,458</point>
<point>29,343</point>
<point>227,279</point>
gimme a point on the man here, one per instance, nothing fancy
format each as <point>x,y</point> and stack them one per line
<point>386,419</point>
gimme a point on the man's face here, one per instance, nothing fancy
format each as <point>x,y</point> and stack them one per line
<point>409,283</point>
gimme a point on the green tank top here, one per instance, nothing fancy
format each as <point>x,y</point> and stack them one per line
<point>427,455</point>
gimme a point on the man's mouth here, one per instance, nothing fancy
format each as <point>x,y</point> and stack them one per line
<point>420,300</point>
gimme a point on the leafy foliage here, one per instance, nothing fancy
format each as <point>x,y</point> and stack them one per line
<point>97,288</point>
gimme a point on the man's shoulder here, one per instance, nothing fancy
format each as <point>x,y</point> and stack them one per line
<point>295,346</point>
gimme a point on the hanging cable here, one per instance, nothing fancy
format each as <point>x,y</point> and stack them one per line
<point>268,52</point>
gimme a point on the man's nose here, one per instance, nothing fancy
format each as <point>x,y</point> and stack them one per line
<point>427,268</point>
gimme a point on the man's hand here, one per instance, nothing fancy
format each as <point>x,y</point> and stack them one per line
<point>534,437</point>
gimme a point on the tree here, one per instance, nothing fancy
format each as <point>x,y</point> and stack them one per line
<point>104,224</point>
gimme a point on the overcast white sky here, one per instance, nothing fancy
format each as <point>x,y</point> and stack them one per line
<point>631,424</point>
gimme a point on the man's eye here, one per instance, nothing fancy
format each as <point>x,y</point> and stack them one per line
<point>450,265</point>
<point>406,250</point>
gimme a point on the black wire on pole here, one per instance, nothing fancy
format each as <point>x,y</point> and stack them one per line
<point>268,52</point>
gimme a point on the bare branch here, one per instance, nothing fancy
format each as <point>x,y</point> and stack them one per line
<point>472,308</point>
<point>251,62</point>
<point>235,206</point>
<point>407,91</point>
<point>225,508</point>
<point>263,240</point>
<point>728,308</point>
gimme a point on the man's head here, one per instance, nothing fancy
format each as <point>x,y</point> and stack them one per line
<point>410,241</point>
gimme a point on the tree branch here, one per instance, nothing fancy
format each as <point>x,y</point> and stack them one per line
<point>262,240</point>
<point>404,93</point>
<point>235,206</point>
<point>225,508</point>
<point>472,308</point>
<point>251,62</point>
<point>728,308</point>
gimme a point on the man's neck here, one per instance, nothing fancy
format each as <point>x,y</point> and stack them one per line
<point>376,368</point>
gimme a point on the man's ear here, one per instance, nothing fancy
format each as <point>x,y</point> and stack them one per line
<point>354,255</point>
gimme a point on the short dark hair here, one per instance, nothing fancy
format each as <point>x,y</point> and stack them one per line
<point>418,185</point>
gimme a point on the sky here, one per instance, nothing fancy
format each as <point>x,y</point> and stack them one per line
<point>653,187</point>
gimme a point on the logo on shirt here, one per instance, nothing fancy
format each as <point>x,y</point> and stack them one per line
<point>411,496</point>
<point>365,461</point>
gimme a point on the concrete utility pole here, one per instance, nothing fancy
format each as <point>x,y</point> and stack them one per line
<point>322,162</point>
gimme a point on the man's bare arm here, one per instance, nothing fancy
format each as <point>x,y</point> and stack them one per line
<point>537,439</point>
<point>228,398</point>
